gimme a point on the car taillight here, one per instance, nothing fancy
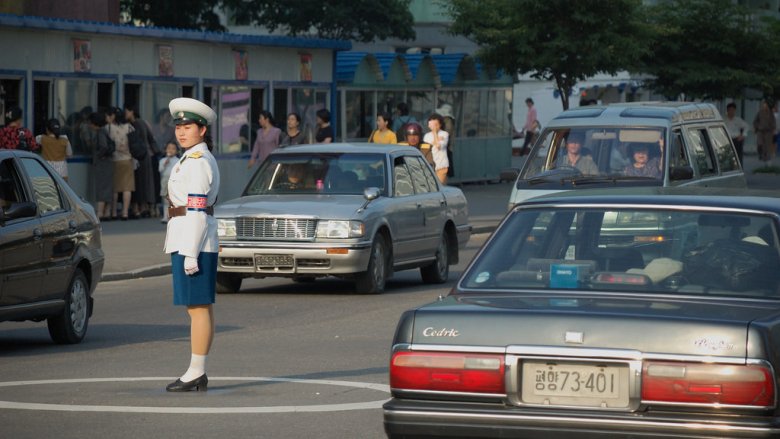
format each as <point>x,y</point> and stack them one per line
<point>750,385</point>
<point>444,371</point>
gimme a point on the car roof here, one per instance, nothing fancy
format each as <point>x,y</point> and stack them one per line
<point>637,113</point>
<point>735,198</point>
<point>341,148</point>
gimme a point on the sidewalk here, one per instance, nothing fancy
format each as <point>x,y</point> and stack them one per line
<point>134,249</point>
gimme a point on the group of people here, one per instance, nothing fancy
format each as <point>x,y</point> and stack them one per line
<point>128,182</point>
<point>436,144</point>
<point>269,137</point>
<point>766,126</point>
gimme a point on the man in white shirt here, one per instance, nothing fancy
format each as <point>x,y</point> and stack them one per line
<point>737,128</point>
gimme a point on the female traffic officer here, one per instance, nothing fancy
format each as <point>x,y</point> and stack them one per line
<point>191,237</point>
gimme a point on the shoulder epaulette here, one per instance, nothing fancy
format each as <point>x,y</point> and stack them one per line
<point>196,155</point>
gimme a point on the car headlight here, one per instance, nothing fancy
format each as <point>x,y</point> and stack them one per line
<point>226,228</point>
<point>340,229</point>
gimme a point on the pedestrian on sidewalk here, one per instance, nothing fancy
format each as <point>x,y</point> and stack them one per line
<point>737,128</point>
<point>529,127</point>
<point>191,237</point>
<point>382,133</point>
<point>55,147</point>
<point>438,139</point>
<point>764,127</point>
<point>13,135</point>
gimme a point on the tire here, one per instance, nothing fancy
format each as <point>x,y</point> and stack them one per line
<point>228,283</point>
<point>439,270</point>
<point>70,326</point>
<point>372,281</point>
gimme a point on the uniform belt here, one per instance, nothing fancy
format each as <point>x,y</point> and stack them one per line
<point>173,212</point>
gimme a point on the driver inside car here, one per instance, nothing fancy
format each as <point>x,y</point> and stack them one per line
<point>574,158</point>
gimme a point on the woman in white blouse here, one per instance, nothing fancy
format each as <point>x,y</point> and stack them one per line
<point>438,139</point>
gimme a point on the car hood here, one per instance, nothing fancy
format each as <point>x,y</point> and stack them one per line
<point>320,206</point>
<point>649,325</point>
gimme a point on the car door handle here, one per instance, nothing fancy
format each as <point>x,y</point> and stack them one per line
<point>419,205</point>
<point>72,225</point>
<point>37,234</point>
<point>442,203</point>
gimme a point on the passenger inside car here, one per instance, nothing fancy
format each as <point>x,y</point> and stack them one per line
<point>646,160</point>
<point>296,178</point>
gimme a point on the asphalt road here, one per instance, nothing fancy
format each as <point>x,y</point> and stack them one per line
<point>289,361</point>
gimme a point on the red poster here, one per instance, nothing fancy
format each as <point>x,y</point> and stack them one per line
<point>165,56</point>
<point>82,56</point>
<point>242,64</point>
<point>306,67</point>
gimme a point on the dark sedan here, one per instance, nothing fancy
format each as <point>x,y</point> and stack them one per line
<point>602,314</point>
<point>50,248</point>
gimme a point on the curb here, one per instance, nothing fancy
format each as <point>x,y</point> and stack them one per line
<point>165,269</point>
<point>154,270</point>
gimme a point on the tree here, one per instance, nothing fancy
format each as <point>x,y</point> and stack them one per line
<point>180,14</point>
<point>336,19</point>
<point>559,40</point>
<point>708,49</point>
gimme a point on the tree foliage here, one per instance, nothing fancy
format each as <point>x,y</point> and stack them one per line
<point>559,40</point>
<point>180,14</point>
<point>708,49</point>
<point>359,20</point>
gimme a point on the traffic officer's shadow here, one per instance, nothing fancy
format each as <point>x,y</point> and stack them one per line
<point>36,340</point>
<point>286,379</point>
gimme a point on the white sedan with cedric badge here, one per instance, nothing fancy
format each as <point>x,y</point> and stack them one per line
<point>356,211</point>
<point>641,312</point>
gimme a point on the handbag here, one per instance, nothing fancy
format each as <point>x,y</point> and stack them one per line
<point>136,145</point>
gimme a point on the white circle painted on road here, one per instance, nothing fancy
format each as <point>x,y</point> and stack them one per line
<point>197,410</point>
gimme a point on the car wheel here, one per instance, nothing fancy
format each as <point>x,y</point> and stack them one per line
<point>372,281</point>
<point>439,271</point>
<point>70,326</point>
<point>228,283</point>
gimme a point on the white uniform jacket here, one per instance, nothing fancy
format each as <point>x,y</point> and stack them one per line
<point>194,183</point>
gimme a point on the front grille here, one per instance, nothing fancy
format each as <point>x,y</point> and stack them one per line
<point>236,262</point>
<point>301,229</point>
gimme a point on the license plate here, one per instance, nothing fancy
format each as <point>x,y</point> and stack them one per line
<point>575,384</point>
<point>274,261</point>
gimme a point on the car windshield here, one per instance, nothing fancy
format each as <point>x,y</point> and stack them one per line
<point>672,251</point>
<point>318,173</point>
<point>584,154</point>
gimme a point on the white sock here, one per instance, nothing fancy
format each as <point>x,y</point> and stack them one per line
<point>197,368</point>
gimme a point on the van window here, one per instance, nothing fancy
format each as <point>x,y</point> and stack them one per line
<point>727,157</point>
<point>678,157</point>
<point>703,159</point>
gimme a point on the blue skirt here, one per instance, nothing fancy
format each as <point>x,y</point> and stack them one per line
<point>201,287</point>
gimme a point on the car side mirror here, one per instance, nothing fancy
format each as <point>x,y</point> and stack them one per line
<point>369,193</point>
<point>681,173</point>
<point>18,210</point>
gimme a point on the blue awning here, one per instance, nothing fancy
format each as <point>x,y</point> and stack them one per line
<point>446,65</point>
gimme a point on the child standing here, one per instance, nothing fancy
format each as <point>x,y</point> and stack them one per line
<point>55,147</point>
<point>166,165</point>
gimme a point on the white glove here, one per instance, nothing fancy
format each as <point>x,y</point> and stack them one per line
<point>190,265</point>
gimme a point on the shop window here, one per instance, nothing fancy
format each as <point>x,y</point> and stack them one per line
<point>306,102</point>
<point>73,100</point>
<point>358,114</point>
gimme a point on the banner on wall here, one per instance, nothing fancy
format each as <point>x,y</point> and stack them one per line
<point>242,65</point>
<point>165,60</point>
<point>306,74</point>
<point>234,123</point>
<point>82,56</point>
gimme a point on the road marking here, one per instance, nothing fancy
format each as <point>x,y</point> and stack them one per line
<point>197,410</point>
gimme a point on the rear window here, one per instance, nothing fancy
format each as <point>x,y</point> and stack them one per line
<point>680,252</point>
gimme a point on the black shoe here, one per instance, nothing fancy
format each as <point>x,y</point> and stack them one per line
<point>199,383</point>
